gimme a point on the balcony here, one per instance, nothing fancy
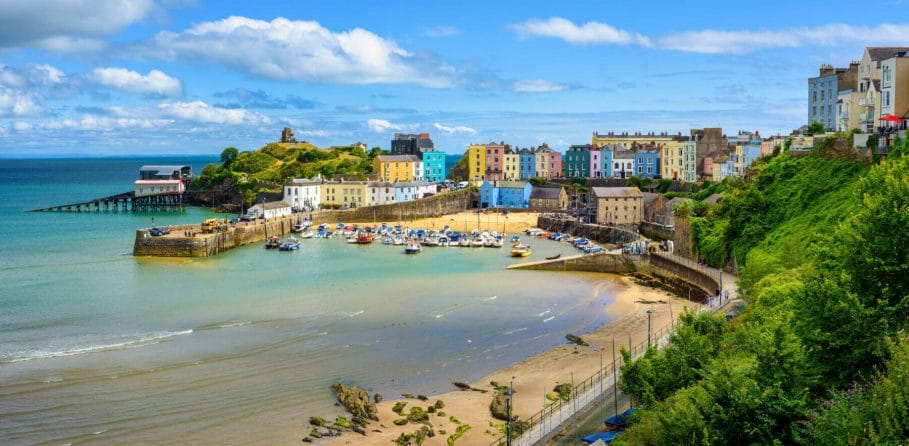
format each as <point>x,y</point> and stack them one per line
<point>866,102</point>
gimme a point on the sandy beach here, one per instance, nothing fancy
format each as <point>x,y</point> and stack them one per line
<point>512,223</point>
<point>535,376</point>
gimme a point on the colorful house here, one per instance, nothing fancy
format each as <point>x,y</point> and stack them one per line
<point>577,161</point>
<point>395,168</point>
<point>511,166</point>
<point>543,199</point>
<point>647,163</point>
<point>303,194</point>
<point>434,166</point>
<point>494,158</point>
<point>689,165</point>
<point>476,163</point>
<point>380,192</point>
<point>606,162</point>
<point>528,164</point>
<point>344,193</point>
<point>623,164</point>
<point>505,194</point>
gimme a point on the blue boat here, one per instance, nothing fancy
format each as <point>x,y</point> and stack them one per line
<point>619,421</point>
<point>291,244</point>
<point>607,437</point>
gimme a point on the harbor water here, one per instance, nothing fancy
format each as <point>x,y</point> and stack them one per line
<point>100,347</point>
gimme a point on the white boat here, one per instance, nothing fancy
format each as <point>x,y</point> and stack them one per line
<point>412,247</point>
<point>465,241</point>
<point>307,233</point>
<point>477,243</point>
<point>398,240</point>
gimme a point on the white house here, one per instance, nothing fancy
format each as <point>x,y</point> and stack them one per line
<point>271,209</point>
<point>159,187</point>
<point>303,194</point>
<point>623,164</point>
<point>425,188</point>
<point>380,192</point>
<point>417,169</point>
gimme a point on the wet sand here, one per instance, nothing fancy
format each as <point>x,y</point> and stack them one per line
<point>537,375</point>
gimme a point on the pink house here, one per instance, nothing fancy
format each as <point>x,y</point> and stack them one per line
<point>494,160</point>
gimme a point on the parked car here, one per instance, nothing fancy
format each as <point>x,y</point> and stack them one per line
<point>157,232</point>
<point>248,217</point>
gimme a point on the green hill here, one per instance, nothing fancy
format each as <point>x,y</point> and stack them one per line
<point>266,169</point>
<point>819,355</point>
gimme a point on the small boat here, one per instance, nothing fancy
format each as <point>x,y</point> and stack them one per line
<point>515,238</point>
<point>291,244</point>
<point>364,237</point>
<point>465,242</point>
<point>497,242</point>
<point>273,242</point>
<point>412,247</point>
<point>444,241</point>
<point>520,250</point>
<point>307,233</point>
<point>554,257</point>
<point>398,240</point>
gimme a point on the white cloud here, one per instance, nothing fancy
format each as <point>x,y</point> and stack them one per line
<point>17,103</point>
<point>455,129</point>
<point>441,31</point>
<point>26,22</point>
<point>67,44</point>
<point>538,86</point>
<point>153,83</point>
<point>21,126</point>
<point>382,126</point>
<point>588,33</point>
<point>300,51</point>
<point>200,111</point>
<point>739,42</point>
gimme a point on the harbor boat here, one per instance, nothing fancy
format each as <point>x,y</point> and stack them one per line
<point>412,247</point>
<point>444,241</point>
<point>273,242</point>
<point>465,241</point>
<point>477,242</point>
<point>307,233</point>
<point>398,240</point>
<point>388,240</point>
<point>497,242</point>
<point>554,257</point>
<point>297,227</point>
<point>364,237</point>
<point>291,244</point>
<point>520,250</point>
<point>515,238</point>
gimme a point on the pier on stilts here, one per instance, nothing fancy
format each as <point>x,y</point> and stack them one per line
<point>125,202</point>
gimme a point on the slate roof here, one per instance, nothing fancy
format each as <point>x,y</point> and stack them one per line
<point>546,193</point>
<point>878,53</point>
<point>616,192</point>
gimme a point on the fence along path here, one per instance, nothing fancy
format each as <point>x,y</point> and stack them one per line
<point>590,391</point>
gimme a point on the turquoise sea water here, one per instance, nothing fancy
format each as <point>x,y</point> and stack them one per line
<point>97,346</point>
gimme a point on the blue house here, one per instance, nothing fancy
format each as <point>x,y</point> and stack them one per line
<point>528,163</point>
<point>647,163</point>
<point>434,166</point>
<point>750,153</point>
<point>505,194</point>
<point>606,163</point>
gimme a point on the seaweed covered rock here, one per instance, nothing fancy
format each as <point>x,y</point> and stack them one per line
<point>317,421</point>
<point>356,401</point>
<point>399,407</point>
<point>573,339</point>
<point>498,406</point>
<point>417,415</point>
<point>377,398</point>
<point>439,405</point>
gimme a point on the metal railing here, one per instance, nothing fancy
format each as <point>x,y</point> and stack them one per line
<point>713,273</point>
<point>589,391</point>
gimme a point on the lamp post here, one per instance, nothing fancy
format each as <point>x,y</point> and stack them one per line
<point>508,394</point>
<point>649,314</point>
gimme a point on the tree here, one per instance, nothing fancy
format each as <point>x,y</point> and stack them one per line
<point>228,156</point>
<point>816,128</point>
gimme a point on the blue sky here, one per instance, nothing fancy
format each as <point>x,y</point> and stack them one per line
<point>116,77</point>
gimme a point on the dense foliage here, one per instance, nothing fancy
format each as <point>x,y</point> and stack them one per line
<point>817,356</point>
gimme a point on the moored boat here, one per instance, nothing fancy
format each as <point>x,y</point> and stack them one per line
<point>291,244</point>
<point>364,237</point>
<point>273,242</point>
<point>412,247</point>
<point>520,250</point>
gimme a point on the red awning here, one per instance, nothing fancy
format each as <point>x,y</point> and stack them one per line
<point>891,118</point>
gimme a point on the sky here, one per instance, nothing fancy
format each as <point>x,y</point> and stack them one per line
<point>149,77</point>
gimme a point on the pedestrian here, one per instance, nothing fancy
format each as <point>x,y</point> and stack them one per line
<point>727,294</point>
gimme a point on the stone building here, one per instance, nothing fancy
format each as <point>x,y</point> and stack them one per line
<point>548,199</point>
<point>622,206</point>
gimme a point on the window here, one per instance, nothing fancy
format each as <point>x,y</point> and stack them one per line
<point>887,98</point>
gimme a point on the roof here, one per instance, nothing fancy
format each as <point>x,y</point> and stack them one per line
<point>650,197</point>
<point>274,205</point>
<point>414,183</point>
<point>624,154</point>
<point>616,192</point>
<point>547,193</point>
<point>678,200</point>
<point>877,53</point>
<point>713,199</point>
<point>162,168</point>
<point>303,182</point>
<point>158,182</point>
<point>398,158</point>
<point>379,184</point>
<point>509,184</point>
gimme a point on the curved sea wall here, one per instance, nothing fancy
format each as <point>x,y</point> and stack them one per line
<point>203,245</point>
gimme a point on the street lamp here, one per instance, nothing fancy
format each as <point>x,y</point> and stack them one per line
<point>508,394</point>
<point>649,314</point>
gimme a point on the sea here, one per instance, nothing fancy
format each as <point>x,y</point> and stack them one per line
<point>100,347</point>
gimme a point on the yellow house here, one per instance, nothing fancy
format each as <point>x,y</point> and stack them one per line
<point>476,163</point>
<point>394,168</point>
<point>340,193</point>
<point>673,163</point>
<point>511,167</point>
<point>625,140</point>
